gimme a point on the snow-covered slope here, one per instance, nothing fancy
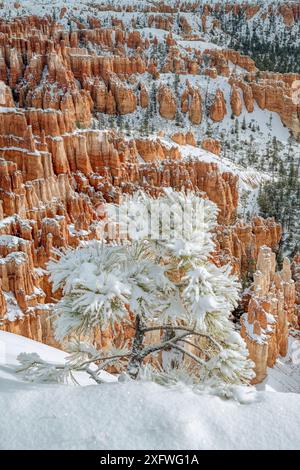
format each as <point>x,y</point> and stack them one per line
<point>285,375</point>
<point>12,345</point>
<point>135,415</point>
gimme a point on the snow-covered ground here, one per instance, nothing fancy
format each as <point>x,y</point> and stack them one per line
<point>134,415</point>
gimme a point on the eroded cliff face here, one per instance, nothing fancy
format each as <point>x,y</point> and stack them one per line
<point>270,309</point>
<point>101,68</point>
<point>62,209</point>
<point>240,244</point>
<point>55,177</point>
<point>290,12</point>
<point>274,92</point>
<point>59,164</point>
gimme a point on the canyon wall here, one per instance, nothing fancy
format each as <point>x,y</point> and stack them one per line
<point>59,164</point>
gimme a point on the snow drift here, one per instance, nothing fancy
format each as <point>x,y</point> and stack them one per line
<point>134,415</point>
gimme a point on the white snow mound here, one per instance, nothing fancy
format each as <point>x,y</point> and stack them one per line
<point>134,415</point>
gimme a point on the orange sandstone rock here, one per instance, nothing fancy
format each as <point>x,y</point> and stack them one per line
<point>236,101</point>
<point>212,145</point>
<point>144,96</point>
<point>184,139</point>
<point>167,102</point>
<point>270,309</point>
<point>195,109</point>
<point>218,107</point>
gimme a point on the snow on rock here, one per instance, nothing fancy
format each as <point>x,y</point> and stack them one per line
<point>13,309</point>
<point>134,415</point>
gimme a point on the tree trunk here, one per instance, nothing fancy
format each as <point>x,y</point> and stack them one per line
<point>171,359</point>
<point>136,359</point>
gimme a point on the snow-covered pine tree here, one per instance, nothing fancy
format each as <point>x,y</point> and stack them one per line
<point>161,275</point>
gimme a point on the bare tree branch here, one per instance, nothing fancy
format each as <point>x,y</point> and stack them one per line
<point>183,328</point>
<point>94,375</point>
<point>161,346</point>
<point>191,355</point>
<point>108,358</point>
<point>192,344</point>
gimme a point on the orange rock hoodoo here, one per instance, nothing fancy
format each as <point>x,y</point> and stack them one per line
<point>240,245</point>
<point>167,102</point>
<point>212,145</point>
<point>236,102</point>
<point>218,107</point>
<point>191,102</point>
<point>270,309</point>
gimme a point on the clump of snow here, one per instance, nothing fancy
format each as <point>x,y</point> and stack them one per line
<point>11,241</point>
<point>13,310</point>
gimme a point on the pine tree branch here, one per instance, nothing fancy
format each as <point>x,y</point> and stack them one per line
<point>191,355</point>
<point>161,346</point>
<point>108,358</point>
<point>40,363</point>
<point>94,375</point>
<point>192,344</point>
<point>183,328</point>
